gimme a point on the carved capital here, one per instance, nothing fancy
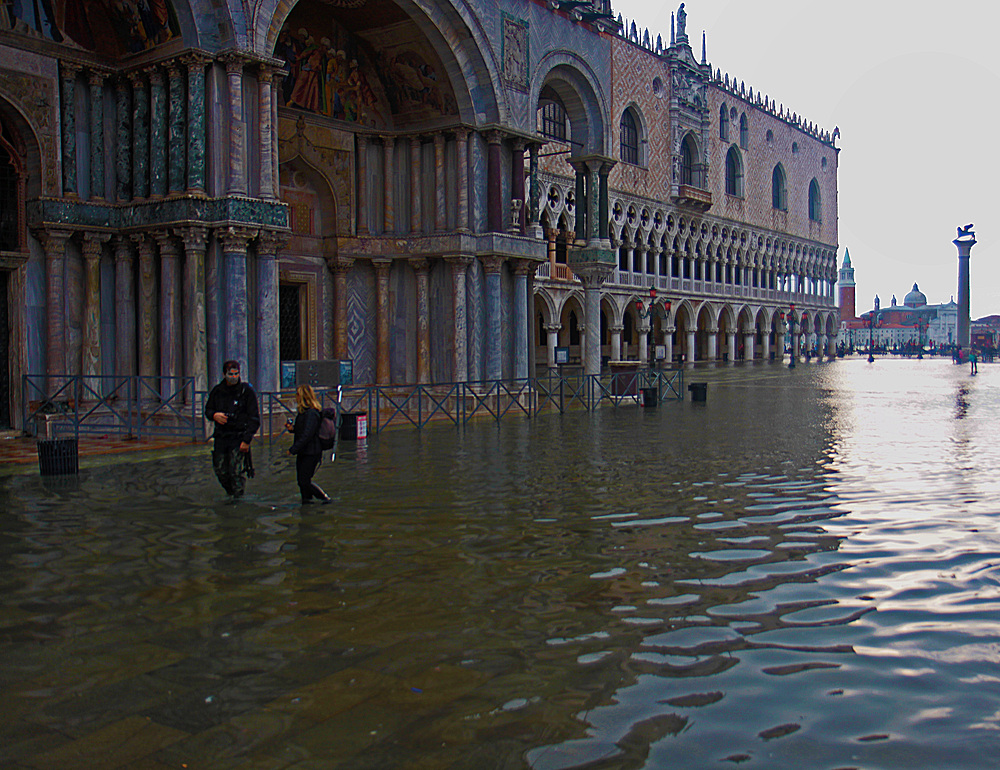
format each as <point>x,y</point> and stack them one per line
<point>492,264</point>
<point>459,261</point>
<point>234,63</point>
<point>144,245</point>
<point>69,70</point>
<point>270,242</point>
<point>194,61</point>
<point>193,238</point>
<point>93,243</point>
<point>167,243</point>
<point>53,241</point>
<point>382,265</point>
<point>419,265</point>
<point>155,75</point>
<point>340,264</point>
<point>524,266</point>
<point>96,77</point>
<point>123,248</point>
<point>235,239</point>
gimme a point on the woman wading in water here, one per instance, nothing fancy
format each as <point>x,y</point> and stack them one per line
<point>306,446</point>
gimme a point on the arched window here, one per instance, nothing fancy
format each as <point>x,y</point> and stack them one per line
<point>815,209</point>
<point>552,115</point>
<point>689,168</point>
<point>724,123</point>
<point>734,172</point>
<point>744,131</point>
<point>629,138</point>
<point>779,197</point>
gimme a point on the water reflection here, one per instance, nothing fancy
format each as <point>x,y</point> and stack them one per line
<point>800,570</point>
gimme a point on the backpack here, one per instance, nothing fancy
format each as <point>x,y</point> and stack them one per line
<point>329,426</point>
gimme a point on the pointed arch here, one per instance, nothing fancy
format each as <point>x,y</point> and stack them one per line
<point>779,191</point>
<point>734,172</point>
<point>815,204</point>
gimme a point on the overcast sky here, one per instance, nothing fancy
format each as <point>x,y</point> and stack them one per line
<point>915,90</point>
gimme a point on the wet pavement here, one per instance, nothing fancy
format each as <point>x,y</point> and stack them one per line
<point>800,572</point>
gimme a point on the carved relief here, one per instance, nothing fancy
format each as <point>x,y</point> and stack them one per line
<point>514,51</point>
<point>34,98</point>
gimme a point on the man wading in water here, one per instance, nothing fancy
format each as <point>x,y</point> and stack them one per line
<point>232,406</point>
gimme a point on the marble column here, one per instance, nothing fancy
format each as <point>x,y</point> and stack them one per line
<point>170,313</point>
<point>123,140</point>
<point>265,76</point>
<point>195,240</point>
<point>616,341</point>
<point>147,312</point>
<point>748,343</point>
<point>237,165</point>
<point>275,157</point>
<point>54,245</point>
<point>460,367</point>
<point>362,204</point>
<point>964,243</point>
<point>440,197</point>
<point>124,308</point>
<point>713,343</point>
<point>581,203</point>
<point>140,141</point>
<point>388,188</point>
<point>421,268</point>
<point>519,318</point>
<point>462,178</point>
<point>692,347</point>
<point>196,138</point>
<point>416,209</point>
<point>592,277</point>
<point>551,343</point>
<point>517,185</point>
<point>382,266</point>
<point>731,345</point>
<point>765,346</point>
<point>157,135</point>
<point>534,228</point>
<point>340,267</point>
<point>493,338</point>
<point>67,74</point>
<point>602,202</point>
<point>91,351</point>
<point>643,331</point>
<point>234,251</point>
<point>268,354</point>
<point>176,174</point>
<point>493,183</point>
<point>668,344</point>
<point>96,81</point>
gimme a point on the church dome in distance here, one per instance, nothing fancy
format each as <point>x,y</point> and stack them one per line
<point>915,298</point>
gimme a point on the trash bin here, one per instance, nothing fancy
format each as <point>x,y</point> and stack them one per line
<point>650,397</point>
<point>353,425</point>
<point>699,391</point>
<point>58,456</point>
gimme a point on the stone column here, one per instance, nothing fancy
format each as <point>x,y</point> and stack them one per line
<point>157,135</point>
<point>765,345</point>
<point>340,266</point>
<point>170,313</point>
<point>195,240</point>
<point>362,205</point>
<point>616,342</point>
<point>440,198</point>
<point>416,188</point>
<point>965,241</point>
<point>643,330</point>
<point>459,265</point>
<point>668,344</point>
<point>275,157</point>
<point>234,254</point>
<point>176,114</point>
<point>124,139</point>
<point>592,277</point>
<point>54,244</point>
<point>517,184</point>
<point>462,178</point>
<point>748,343</point>
<point>67,74</point>
<point>125,332</point>
<point>493,337</point>
<point>731,344</point>
<point>140,143</point>
<point>534,229</point>
<point>147,311</point>
<point>388,186</point>
<point>196,138</point>
<point>493,183</point>
<point>713,343</point>
<point>382,266</point>
<point>265,74</point>
<point>420,267</point>
<point>91,353</point>
<point>551,343</point>
<point>581,203</point>
<point>522,269</point>
<point>96,80</point>
<point>602,203</point>
<point>692,347</point>
<point>237,164</point>
<point>268,354</point>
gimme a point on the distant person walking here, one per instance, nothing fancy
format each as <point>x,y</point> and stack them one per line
<point>232,406</point>
<point>306,447</point>
<point>973,362</point>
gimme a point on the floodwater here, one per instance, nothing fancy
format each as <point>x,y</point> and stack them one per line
<point>804,571</point>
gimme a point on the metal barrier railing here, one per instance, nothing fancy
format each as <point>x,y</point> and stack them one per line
<point>170,406</point>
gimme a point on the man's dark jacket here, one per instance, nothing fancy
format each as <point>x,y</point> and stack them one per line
<point>239,403</point>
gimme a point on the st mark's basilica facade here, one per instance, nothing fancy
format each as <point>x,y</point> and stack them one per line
<point>437,191</point>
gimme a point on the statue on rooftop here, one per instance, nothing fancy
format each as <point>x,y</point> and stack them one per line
<point>681,22</point>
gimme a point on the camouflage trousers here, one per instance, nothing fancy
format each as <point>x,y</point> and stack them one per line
<point>230,468</point>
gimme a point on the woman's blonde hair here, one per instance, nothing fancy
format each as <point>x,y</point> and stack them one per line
<point>305,397</point>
